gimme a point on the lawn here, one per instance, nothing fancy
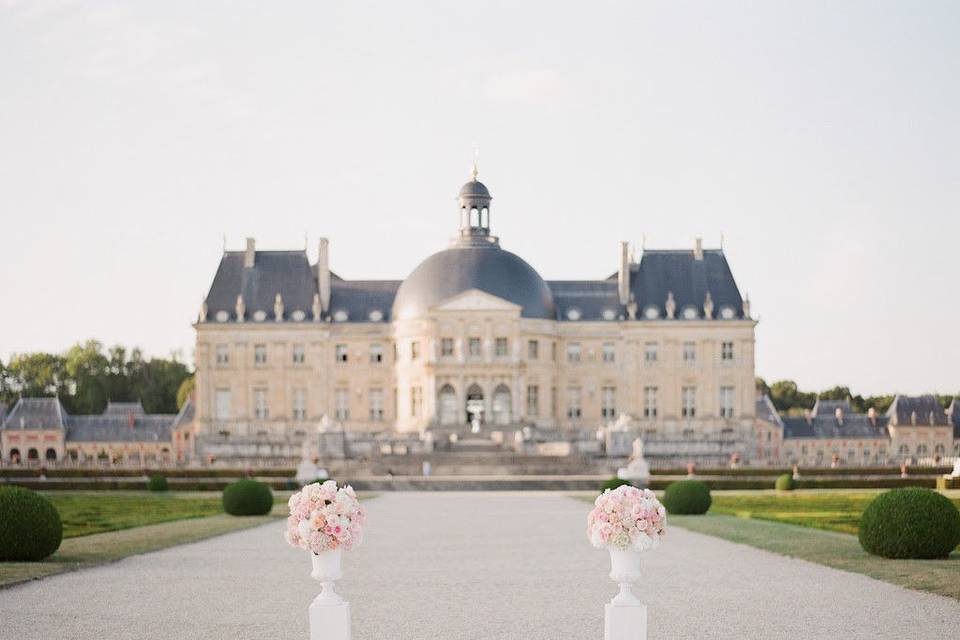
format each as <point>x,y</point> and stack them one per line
<point>828,510</point>
<point>87,512</point>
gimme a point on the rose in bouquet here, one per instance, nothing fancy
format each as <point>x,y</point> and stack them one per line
<point>626,518</point>
<point>324,517</point>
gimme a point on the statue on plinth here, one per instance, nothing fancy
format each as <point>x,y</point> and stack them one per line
<point>308,471</point>
<point>956,470</point>
<point>637,471</point>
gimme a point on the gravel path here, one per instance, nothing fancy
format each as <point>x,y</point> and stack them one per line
<point>466,566</point>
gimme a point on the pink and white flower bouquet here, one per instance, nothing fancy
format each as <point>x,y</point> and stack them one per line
<point>627,518</point>
<point>325,518</point>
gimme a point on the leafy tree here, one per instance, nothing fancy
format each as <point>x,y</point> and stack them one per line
<point>186,388</point>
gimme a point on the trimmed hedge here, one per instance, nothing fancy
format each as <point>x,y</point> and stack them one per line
<point>784,482</point>
<point>30,526</point>
<point>247,498</point>
<point>910,523</point>
<point>613,483</point>
<point>158,483</point>
<point>687,497</point>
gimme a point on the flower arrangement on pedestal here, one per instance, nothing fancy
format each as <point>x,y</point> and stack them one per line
<point>325,520</point>
<point>627,521</point>
<point>626,518</point>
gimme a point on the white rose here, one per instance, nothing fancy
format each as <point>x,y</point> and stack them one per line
<point>304,528</point>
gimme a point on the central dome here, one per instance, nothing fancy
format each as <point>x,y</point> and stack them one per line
<point>464,267</point>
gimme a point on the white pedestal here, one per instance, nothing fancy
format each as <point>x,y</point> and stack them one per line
<point>330,622</point>
<point>624,622</point>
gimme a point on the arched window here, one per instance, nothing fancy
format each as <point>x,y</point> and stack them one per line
<point>921,449</point>
<point>501,405</point>
<point>904,449</point>
<point>938,449</point>
<point>33,454</point>
<point>15,455</point>
<point>51,454</point>
<point>474,406</point>
<point>447,405</point>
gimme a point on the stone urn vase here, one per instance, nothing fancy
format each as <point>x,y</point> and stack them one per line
<point>625,571</point>
<point>326,571</point>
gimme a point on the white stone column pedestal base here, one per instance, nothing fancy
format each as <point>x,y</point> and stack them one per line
<point>624,622</point>
<point>330,622</point>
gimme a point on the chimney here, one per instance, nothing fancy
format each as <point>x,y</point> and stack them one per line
<point>323,274</point>
<point>698,249</point>
<point>872,416</point>
<point>623,275</point>
<point>250,256</point>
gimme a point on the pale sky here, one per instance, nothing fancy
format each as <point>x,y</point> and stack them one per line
<point>820,138</point>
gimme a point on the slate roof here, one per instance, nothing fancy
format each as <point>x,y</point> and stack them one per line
<point>590,297</point>
<point>663,271</point>
<point>658,273</point>
<point>185,417</point>
<point>124,409</point>
<point>358,298</point>
<point>766,411</point>
<point>823,423</point>
<point>954,412</point>
<point>111,428</point>
<point>928,410</point>
<point>118,423</point>
<point>36,413</point>
<point>285,272</point>
<point>3,412</point>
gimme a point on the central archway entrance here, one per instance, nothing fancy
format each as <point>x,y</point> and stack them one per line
<point>474,405</point>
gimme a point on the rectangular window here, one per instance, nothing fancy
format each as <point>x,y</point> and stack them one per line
<point>502,347</point>
<point>473,347</point>
<point>553,351</point>
<point>342,397</point>
<point>609,352</point>
<point>299,405</point>
<point>376,353</point>
<point>574,409</point>
<point>688,397</point>
<point>573,352</point>
<point>649,402</point>
<point>223,354</point>
<point>260,354</point>
<point>726,402</point>
<point>222,404</point>
<point>340,353</point>
<point>376,405</point>
<point>533,350</point>
<point>260,409</point>
<point>299,354</point>
<point>726,351</point>
<point>608,408</point>
<point>650,352</point>
<point>533,400</point>
<point>553,402</point>
<point>416,401</point>
<point>446,347</point>
<point>689,352</point>
<point>414,350</point>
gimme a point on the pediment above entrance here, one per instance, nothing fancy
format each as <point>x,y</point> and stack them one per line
<point>476,300</point>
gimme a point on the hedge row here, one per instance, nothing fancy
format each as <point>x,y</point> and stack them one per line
<point>138,485</point>
<point>12,472</point>
<point>804,471</point>
<point>824,483</point>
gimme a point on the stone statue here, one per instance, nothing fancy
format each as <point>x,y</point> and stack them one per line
<point>307,470</point>
<point>708,306</point>
<point>956,469</point>
<point>278,308</point>
<point>637,471</point>
<point>316,307</point>
<point>241,308</point>
<point>671,305</point>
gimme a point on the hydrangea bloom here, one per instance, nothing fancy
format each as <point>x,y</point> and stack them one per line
<point>626,518</point>
<point>324,518</point>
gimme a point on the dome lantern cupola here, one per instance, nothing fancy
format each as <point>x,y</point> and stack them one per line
<point>474,200</point>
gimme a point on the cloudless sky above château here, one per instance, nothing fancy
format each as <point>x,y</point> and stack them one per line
<point>822,139</point>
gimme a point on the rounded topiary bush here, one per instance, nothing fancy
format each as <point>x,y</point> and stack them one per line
<point>247,498</point>
<point>158,483</point>
<point>612,484</point>
<point>910,523</point>
<point>687,497</point>
<point>784,482</point>
<point>30,527</point>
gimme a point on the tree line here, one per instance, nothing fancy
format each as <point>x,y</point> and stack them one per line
<point>87,375</point>
<point>789,399</point>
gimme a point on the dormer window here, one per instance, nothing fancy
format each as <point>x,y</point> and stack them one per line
<point>259,315</point>
<point>689,312</point>
<point>340,315</point>
<point>609,314</point>
<point>376,315</point>
<point>651,312</point>
<point>298,316</point>
<point>727,312</point>
<point>574,314</point>
<point>222,316</point>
